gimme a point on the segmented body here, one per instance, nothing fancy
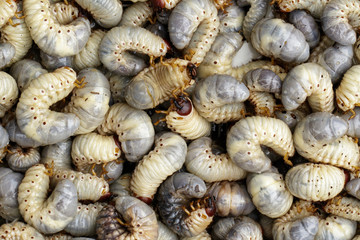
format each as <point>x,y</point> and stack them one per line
<point>19,230</point>
<point>22,159</point>
<point>133,127</point>
<point>336,227</point>
<point>347,94</point>
<point>320,137</point>
<point>204,161</point>
<point>46,215</point>
<point>137,14</point>
<point>58,154</point>
<point>193,26</point>
<point>346,207</point>
<point>263,102</point>
<point>155,85</point>
<point>315,7</point>
<point>315,182</point>
<point>311,81</point>
<point>116,42</point>
<point>7,52</point>
<point>167,157</point>
<point>64,13</point>
<point>9,92</point>
<point>107,13</point>
<point>51,37</point>
<point>91,102</point>
<point>231,19</point>
<point>245,137</point>
<point>17,136</point>
<point>4,141</point>
<point>118,86</point>
<point>8,9</point>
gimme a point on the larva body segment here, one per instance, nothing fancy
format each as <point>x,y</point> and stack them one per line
<point>245,137</point>
<point>58,154</point>
<point>51,37</point>
<point>262,80</point>
<point>121,186</point>
<point>118,86</point>
<point>137,14</point>
<point>263,102</point>
<point>10,181</point>
<point>315,182</point>
<point>275,38</point>
<point>353,187</point>
<point>205,161</point>
<point>9,92</point>
<point>91,102</point>
<point>54,62</point>
<point>339,19</point>
<point>219,98</point>
<point>291,118</point>
<point>231,199</point>
<point>167,157</point>
<point>164,233</point>
<point>19,230</point>
<point>64,13</point>
<point>347,94</point>
<point>46,215</point>
<point>34,117</point>
<point>231,19</point>
<point>315,7</point>
<point>155,85</point>
<point>320,137</point>
<point>116,42</point>
<point>133,127</point>
<point>7,10</point>
<point>17,136</point>
<point>311,81</point>
<point>346,207</point>
<point>174,195</point>
<point>107,13</point>
<point>4,141</point>
<point>7,52</point>
<point>193,26</point>
<point>20,159</point>
<point>336,227</point>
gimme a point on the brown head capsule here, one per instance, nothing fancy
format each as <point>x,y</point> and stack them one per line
<point>210,206</point>
<point>183,105</point>
<point>191,70</point>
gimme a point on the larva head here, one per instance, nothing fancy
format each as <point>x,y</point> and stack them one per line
<point>158,4</point>
<point>191,70</point>
<point>210,206</point>
<point>146,200</point>
<point>183,105</point>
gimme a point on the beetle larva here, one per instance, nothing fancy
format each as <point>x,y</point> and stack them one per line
<point>7,52</point>
<point>116,42</point>
<point>64,13</point>
<point>291,118</point>
<point>4,141</point>
<point>140,220</point>
<point>204,160</point>
<point>20,159</point>
<point>320,137</point>
<point>245,137</point>
<point>90,103</point>
<point>51,37</point>
<point>193,26</point>
<point>346,207</point>
<point>34,117</point>
<point>133,127</point>
<point>137,14</point>
<point>347,94</point>
<point>231,19</point>
<point>315,182</point>
<point>275,38</point>
<point>175,194</point>
<point>46,215</point>
<point>167,157</point>
<point>107,13</point>
<point>338,20</point>
<point>7,10</point>
<point>19,230</point>
<point>53,62</point>
<point>183,119</point>
<point>335,227</point>
<point>10,181</point>
<point>231,199</point>
<point>308,80</point>
<point>8,92</point>
<point>155,85</point>
<point>315,7</point>
<point>219,98</point>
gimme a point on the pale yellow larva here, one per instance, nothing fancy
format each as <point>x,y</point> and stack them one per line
<point>348,93</point>
<point>9,92</point>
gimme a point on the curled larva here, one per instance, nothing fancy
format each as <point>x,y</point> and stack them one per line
<point>245,138</point>
<point>156,84</point>
<point>273,37</point>
<point>116,42</point>
<point>231,199</point>
<point>20,159</point>
<point>311,81</point>
<point>90,103</point>
<point>53,62</point>
<point>206,161</point>
<point>7,52</point>
<point>64,13</point>
<point>167,157</point>
<point>335,227</point>
<point>93,148</point>
<point>17,136</point>
<point>107,13</point>
<point>320,137</point>
<point>315,7</point>
<point>268,193</point>
<point>339,19</point>
<point>4,141</point>
<point>88,57</point>
<point>193,26</point>
<point>34,117</point>
<point>58,155</point>
<point>7,10</point>
<point>347,94</point>
<point>19,230</point>
<point>50,36</point>
<point>231,19</point>
<point>46,215</point>
<point>10,181</point>
<point>219,98</point>
<point>139,220</point>
<point>183,119</point>
<point>133,127</point>
<point>137,14</point>
<point>9,92</point>
<point>315,182</point>
<point>346,207</point>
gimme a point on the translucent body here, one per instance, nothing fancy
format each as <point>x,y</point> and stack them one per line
<point>278,39</point>
<point>22,159</point>
<point>347,94</point>
<point>52,62</point>
<point>245,137</point>
<point>7,52</point>
<point>17,136</point>
<point>19,230</point>
<point>137,14</point>
<point>4,141</point>
<point>204,161</point>
<point>8,92</point>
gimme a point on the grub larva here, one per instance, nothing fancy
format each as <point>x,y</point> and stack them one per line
<point>9,92</point>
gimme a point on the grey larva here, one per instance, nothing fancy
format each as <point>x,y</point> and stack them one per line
<point>20,159</point>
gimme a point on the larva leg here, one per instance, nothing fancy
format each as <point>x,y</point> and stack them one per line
<point>19,230</point>
<point>8,92</point>
<point>22,159</point>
